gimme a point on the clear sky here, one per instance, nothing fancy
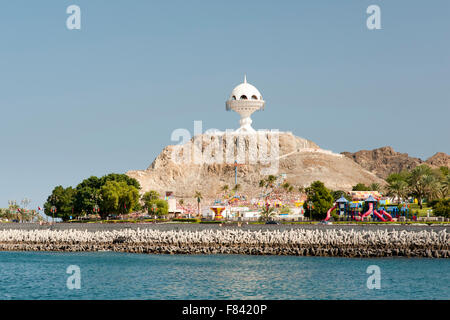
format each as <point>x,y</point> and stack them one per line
<point>106,98</point>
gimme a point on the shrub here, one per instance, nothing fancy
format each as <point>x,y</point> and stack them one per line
<point>161,207</point>
<point>211,222</point>
<point>441,207</point>
<point>186,220</point>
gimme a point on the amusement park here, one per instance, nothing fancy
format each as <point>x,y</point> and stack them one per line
<point>282,204</point>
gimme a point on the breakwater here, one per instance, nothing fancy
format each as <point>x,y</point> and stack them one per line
<point>299,242</point>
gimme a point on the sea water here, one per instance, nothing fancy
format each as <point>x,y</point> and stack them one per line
<point>108,275</point>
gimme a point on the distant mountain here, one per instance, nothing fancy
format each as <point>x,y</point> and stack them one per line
<point>384,161</point>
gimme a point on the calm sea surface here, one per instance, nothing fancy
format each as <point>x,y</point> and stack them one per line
<point>107,275</point>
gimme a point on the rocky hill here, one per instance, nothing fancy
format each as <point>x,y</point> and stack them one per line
<point>384,161</point>
<point>301,160</point>
<point>440,159</point>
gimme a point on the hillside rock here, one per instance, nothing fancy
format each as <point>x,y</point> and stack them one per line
<point>384,161</point>
<point>440,159</point>
<point>301,160</point>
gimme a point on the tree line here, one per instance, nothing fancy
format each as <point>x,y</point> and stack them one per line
<point>114,194</point>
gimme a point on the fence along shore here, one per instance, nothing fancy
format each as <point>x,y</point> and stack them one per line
<point>298,242</point>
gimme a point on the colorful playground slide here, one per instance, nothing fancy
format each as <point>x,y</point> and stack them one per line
<point>368,212</point>
<point>386,214</point>
<point>329,212</point>
<point>379,216</point>
<point>389,217</point>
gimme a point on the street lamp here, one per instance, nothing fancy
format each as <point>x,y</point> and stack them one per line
<point>53,210</point>
<point>310,207</point>
<point>53,200</point>
<point>154,208</point>
<point>96,197</point>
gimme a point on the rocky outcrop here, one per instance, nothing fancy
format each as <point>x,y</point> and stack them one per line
<point>384,161</point>
<point>440,159</point>
<point>300,160</point>
<point>298,242</point>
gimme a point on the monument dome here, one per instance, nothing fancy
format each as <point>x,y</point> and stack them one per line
<point>245,99</point>
<point>245,91</point>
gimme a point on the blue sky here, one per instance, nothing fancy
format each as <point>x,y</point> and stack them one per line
<point>106,98</point>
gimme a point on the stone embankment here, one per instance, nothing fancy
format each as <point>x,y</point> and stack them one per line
<point>300,242</point>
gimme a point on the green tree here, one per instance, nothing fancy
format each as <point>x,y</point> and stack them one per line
<point>441,207</point>
<point>401,176</point>
<point>445,171</point>
<point>270,181</point>
<point>118,198</point>
<point>118,177</point>
<point>88,191</point>
<point>262,183</point>
<point>398,189</point>
<point>422,183</point>
<point>150,195</point>
<point>159,207</point>
<point>445,186</point>
<point>87,194</point>
<point>340,193</point>
<point>443,176</point>
<point>63,199</point>
<point>321,199</point>
<point>361,187</point>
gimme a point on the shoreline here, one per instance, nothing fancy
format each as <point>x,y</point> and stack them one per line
<point>331,242</point>
<point>168,226</point>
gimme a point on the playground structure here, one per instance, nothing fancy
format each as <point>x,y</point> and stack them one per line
<point>341,205</point>
<point>218,212</point>
<point>343,208</point>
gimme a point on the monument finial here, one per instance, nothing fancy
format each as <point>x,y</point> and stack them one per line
<point>245,78</point>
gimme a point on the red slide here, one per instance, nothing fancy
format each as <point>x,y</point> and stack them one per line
<point>379,215</point>
<point>329,212</point>
<point>368,211</point>
<point>389,217</point>
<point>359,218</point>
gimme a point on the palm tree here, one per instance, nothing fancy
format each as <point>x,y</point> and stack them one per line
<point>433,187</point>
<point>270,181</point>
<point>199,197</point>
<point>422,183</point>
<point>225,188</point>
<point>398,189</point>
<point>445,186</point>
<point>375,187</point>
<point>262,183</point>
<point>267,213</point>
